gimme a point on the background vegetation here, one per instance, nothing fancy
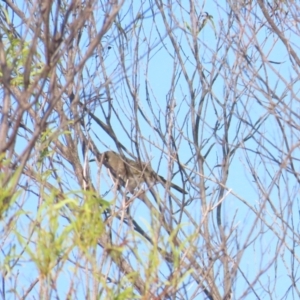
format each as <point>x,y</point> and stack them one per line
<point>207,93</point>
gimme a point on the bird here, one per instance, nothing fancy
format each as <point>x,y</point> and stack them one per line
<point>131,173</point>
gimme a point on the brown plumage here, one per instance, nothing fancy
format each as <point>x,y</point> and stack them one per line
<point>132,173</point>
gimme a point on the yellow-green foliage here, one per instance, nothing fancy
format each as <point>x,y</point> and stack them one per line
<point>16,53</point>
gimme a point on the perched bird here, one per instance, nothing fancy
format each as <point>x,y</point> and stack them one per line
<point>132,173</point>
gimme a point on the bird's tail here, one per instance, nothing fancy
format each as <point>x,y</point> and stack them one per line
<point>173,185</point>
